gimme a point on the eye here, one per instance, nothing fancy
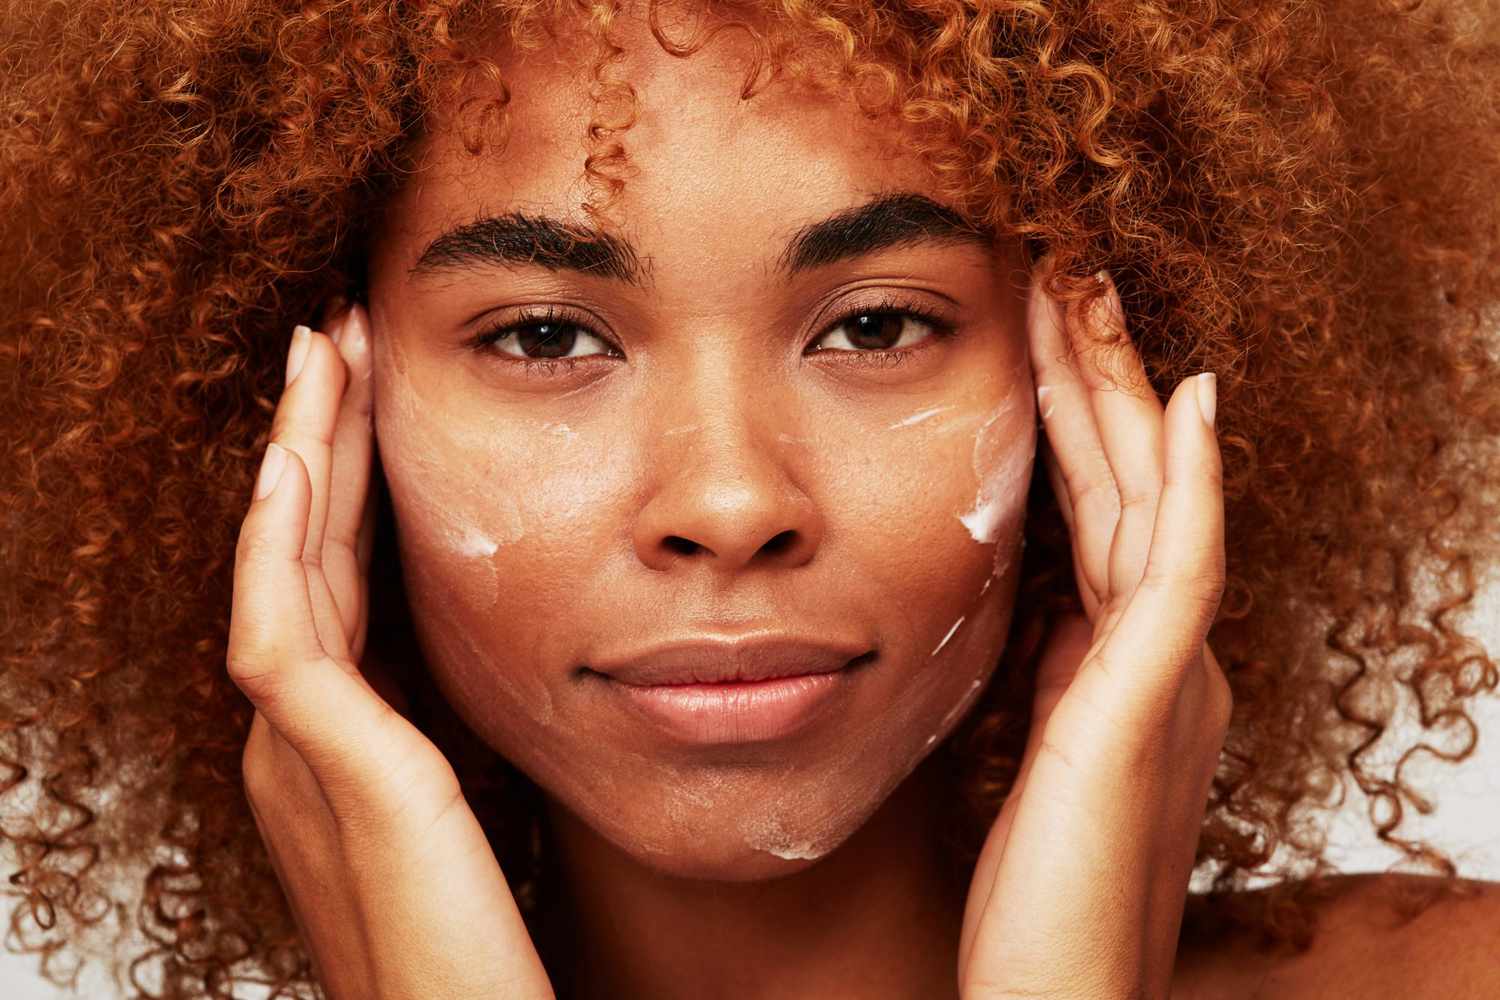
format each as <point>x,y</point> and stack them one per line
<point>549,336</point>
<point>886,330</point>
<point>880,331</point>
<point>543,343</point>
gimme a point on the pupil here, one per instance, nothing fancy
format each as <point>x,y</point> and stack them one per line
<point>548,338</point>
<point>877,330</point>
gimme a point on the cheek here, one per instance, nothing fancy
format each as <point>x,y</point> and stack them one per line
<point>450,517</point>
<point>960,617</point>
<point>454,532</point>
<point>943,493</point>
<point>499,534</point>
<point>481,503</point>
<point>472,522</point>
<point>1001,461</point>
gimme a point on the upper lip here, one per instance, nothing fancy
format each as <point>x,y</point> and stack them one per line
<point>719,660</point>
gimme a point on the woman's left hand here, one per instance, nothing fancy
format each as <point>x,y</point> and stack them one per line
<point>1080,888</point>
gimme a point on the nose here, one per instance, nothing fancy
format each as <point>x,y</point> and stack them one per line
<point>725,495</point>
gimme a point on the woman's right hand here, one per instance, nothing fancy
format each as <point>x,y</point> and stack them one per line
<point>388,872</point>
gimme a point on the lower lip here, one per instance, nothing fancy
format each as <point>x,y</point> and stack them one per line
<point>739,712</point>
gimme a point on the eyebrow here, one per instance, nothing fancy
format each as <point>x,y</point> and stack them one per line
<point>888,220</point>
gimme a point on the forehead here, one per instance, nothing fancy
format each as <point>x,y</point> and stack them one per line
<point>696,155</point>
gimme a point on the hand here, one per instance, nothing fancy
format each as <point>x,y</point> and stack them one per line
<point>387,870</point>
<point>1080,887</point>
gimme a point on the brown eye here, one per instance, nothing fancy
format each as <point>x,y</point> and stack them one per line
<point>884,330</point>
<point>540,339</point>
<point>878,331</point>
<point>546,340</point>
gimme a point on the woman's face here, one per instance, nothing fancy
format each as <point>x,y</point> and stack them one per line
<point>711,450</point>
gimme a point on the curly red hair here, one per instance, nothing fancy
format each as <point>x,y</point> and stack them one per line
<point>1299,197</point>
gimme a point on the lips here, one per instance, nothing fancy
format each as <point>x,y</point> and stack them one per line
<point>718,660</point>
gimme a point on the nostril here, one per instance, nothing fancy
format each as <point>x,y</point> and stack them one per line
<point>682,545</point>
<point>781,542</point>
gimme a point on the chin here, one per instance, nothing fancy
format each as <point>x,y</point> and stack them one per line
<point>728,854</point>
<point>727,861</point>
<point>734,826</point>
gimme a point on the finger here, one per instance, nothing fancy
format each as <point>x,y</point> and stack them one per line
<point>1073,439</point>
<point>349,482</point>
<point>275,655</point>
<point>1183,579</point>
<point>365,550</point>
<point>305,420</point>
<point>271,617</point>
<point>1129,419</point>
<point>1055,480</point>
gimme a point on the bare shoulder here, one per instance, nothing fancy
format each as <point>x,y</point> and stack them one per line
<point>1367,946</point>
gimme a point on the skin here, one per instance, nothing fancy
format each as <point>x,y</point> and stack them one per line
<point>1362,949</point>
<point>534,512</point>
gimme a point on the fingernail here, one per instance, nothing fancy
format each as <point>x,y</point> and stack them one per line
<point>271,466</point>
<point>357,327</point>
<point>1208,395</point>
<point>335,328</point>
<point>301,341</point>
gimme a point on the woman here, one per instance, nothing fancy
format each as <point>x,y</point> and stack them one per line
<point>666,351</point>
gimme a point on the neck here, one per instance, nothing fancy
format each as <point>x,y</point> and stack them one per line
<point>877,917</point>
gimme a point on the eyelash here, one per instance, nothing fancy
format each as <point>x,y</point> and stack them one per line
<point>890,305</point>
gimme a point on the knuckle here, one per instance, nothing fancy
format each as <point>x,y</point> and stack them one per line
<point>240,663</point>
<point>281,422</point>
<point>1098,492</point>
<point>258,679</point>
<point>1200,586</point>
<point>1208,582</point>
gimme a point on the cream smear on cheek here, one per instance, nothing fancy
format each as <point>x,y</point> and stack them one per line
<point>799,824</point>
<point>455,523</point>
<point>1003,456</point>
<point>458,504</point>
